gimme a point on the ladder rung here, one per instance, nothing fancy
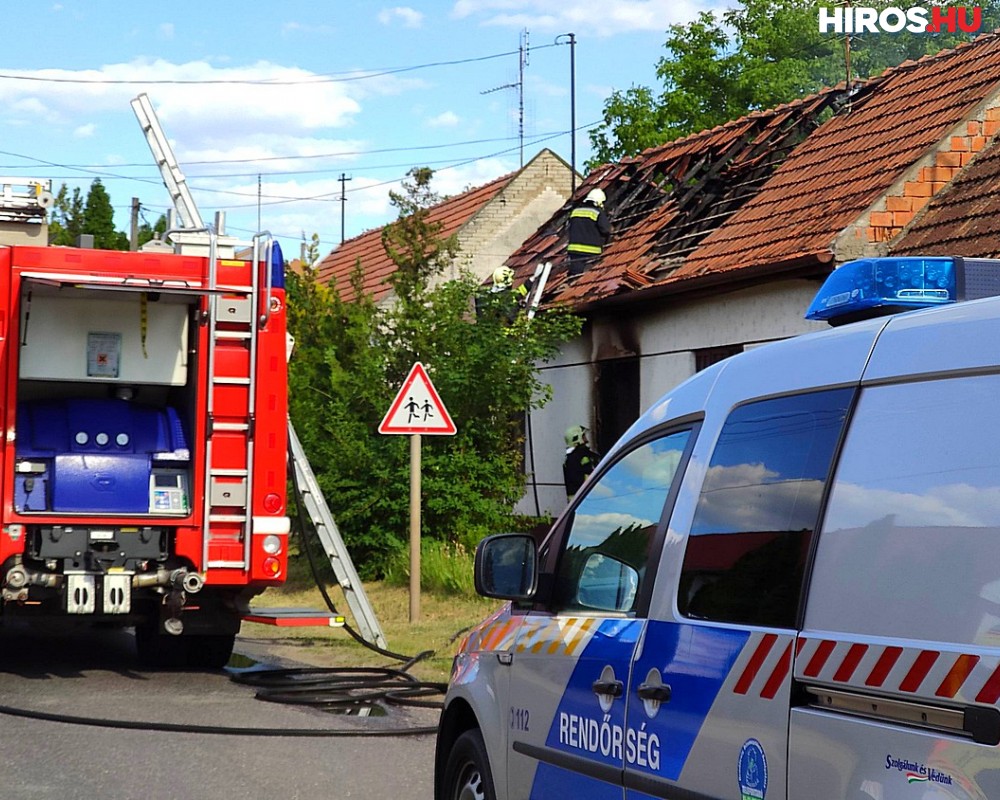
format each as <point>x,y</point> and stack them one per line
<point>229,473</point>
<point>230,426</point>
<point>232,381</point>
<point>227,564</point>
<point>241,335</point>
<point>227,517</point>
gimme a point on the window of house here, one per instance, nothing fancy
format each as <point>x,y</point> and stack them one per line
<point>617,400</point>
<point>705,357</point>
<point>908,543</point>
<point>758,507</point>
<point>611,536</point>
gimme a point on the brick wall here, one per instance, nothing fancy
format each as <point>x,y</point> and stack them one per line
<point>906,199</point>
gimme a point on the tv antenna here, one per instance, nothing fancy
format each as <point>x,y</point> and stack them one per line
<point>522,62</point>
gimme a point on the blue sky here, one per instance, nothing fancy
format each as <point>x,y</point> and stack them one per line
<point>359,88</point>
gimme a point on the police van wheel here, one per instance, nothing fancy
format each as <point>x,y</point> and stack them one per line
<point>468,775</point>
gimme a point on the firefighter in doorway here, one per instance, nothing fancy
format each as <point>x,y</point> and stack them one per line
<point>580,460</point>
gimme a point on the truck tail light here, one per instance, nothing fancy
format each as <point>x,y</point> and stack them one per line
<point>272,503</point>
<point>272,566</point>
<point>271,545</point>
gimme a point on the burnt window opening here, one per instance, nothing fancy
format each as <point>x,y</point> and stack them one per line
<point>617,400</point>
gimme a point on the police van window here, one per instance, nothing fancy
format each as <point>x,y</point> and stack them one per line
<point>606,549</point>
<point>758,506</point>
<point>908,546</point>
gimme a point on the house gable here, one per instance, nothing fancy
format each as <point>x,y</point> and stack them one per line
<point>482,218</point>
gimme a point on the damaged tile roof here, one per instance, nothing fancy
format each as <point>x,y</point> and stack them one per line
<point>451,214</point>
<point>852,160</point>
<point>771,191</point>
<point>964,219</point>
<point>664,201</point>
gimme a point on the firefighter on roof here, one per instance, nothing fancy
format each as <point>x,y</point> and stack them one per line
<point>589,229</point>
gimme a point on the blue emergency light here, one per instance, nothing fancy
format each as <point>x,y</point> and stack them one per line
<point>871,287</point>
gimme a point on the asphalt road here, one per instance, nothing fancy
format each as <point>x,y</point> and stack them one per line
<point>96,676</point>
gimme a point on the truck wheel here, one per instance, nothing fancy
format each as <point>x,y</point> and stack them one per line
<point>159,650</point>
<point>210,652</point>
<point>467,775</point>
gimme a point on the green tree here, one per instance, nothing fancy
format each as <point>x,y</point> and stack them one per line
<point>66,217</point>
<point>757,55</point>
<point>99,219</point>
<point>71,216</point>
<point>351,357</point>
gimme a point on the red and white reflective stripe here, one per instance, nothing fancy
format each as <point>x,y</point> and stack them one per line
<point>909,670</point>
<point>764,665</point>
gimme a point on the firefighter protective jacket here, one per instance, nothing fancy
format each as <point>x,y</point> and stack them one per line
<point>589,228</point>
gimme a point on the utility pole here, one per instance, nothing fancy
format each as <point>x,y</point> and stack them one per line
<point>343,203</point>
<point>133,242</point>
<point>572,107</point>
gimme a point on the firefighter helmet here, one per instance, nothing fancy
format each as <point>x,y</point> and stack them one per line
<point>597,197</point>
<point>503,276</point>
<point>576,435</point>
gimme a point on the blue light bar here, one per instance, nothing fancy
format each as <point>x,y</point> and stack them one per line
<point>873,286</point>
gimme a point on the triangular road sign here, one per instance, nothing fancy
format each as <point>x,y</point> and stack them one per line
<point>418,408</point>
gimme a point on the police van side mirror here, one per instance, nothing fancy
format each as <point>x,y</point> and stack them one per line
<point>507,566</point>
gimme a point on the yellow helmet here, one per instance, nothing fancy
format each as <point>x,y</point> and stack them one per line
<point>576,435</point>
<point>503,276</point>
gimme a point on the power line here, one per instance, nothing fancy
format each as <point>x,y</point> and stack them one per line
<point>105,174</point>
<point>316,156</point>
<point>331,77</point>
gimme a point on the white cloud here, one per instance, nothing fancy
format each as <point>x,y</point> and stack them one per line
<point>167,30</point>
<point>593,17</point>
<point>198,116</point>
<point>85,131</point>
<point>750,497</point>
<point>409,17</point>
<point>957,505</point>
<point>447,119</point>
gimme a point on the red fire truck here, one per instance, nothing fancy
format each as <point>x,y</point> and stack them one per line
<point>143,470</point>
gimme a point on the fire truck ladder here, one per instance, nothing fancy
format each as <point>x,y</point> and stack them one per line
<point>312,500</point>
<point>232,392</point>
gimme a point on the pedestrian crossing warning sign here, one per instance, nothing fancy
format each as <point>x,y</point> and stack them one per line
<point>418,408</point>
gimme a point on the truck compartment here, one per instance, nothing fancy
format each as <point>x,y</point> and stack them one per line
<point>105,401</point>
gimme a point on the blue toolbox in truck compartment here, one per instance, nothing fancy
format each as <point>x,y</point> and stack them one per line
<point>101,456</point>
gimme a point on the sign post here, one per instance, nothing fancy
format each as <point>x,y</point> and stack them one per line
<point>416,410</point>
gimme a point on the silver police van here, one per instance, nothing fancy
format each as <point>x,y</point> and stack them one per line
<point>782,584</point>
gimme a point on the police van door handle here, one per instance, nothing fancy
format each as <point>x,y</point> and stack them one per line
<point>654,691</point>
<point>610,688</point>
